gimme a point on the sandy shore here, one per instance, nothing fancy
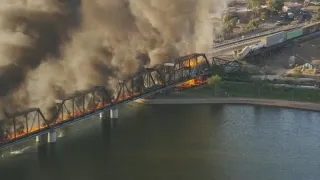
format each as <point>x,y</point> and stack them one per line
<point>248,101</point>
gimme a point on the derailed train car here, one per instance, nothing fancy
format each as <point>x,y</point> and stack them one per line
<point>274,39</point>
<point>282,36</point>
<point>279,39</point>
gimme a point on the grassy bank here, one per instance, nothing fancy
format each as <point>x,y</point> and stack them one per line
<point>233,89</point>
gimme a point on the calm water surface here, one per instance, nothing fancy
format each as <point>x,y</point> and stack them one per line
<point>167,142</point>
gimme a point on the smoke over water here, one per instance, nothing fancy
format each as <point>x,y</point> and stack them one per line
<point>50,48</point>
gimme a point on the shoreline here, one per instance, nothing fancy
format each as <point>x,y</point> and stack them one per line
<point>230,100</point>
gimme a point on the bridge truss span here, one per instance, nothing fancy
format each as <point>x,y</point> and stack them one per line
<point>81,104</point>
<point>22,125</point>
<point>147,81</point>
<point>228,65</point>
<point>186,67</point>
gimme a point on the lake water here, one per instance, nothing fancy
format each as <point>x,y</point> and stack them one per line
<point>170,142</point>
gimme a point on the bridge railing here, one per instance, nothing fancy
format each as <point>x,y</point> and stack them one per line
<point>85,103</point>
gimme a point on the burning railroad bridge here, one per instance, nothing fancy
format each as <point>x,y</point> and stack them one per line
<point>184,71</point>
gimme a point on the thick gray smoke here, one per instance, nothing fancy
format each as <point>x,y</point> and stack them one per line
<point>32,32</point>
<point>50,48</point>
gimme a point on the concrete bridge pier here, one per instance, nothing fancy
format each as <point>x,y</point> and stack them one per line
<point>114,113</point>
<point>52,136</point>
<point>40,138</point>
<point>104,114</point>
<point>109,118</point>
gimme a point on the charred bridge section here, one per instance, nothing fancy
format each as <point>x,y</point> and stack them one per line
<point>32,122</point>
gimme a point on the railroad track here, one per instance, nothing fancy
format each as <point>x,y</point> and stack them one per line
<point>239,41</point>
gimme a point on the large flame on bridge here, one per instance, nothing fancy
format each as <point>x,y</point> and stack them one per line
<point>192,83</point>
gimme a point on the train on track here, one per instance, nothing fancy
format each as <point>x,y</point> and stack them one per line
<point>278,38</point>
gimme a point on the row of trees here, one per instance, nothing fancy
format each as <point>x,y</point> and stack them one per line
<point>273,5</point>
<point>229,24</point>
<point>254,5</point>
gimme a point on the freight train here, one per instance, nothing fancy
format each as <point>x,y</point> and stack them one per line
<point>278,38</point>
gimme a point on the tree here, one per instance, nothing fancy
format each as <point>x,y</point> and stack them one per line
<point>263,15</point>
<point>228,24</point>
<point>215,81</point>
<point>252,25</point>
<point>275,5</point>
<point>254,5</point>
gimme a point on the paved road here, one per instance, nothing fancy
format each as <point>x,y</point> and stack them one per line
<point>231,100</point>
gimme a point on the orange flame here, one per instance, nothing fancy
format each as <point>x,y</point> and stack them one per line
<point>20,133</point>
<point>196,81</point>
<point>192,83</point>
<point>193,62</point>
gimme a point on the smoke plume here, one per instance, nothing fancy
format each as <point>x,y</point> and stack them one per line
<point>50,48</point>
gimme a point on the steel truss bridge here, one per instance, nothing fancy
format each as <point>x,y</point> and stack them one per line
<point>229,66</point>
<point>20,126</point>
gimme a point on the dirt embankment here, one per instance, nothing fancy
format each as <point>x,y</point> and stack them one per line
<point>249,101</point>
